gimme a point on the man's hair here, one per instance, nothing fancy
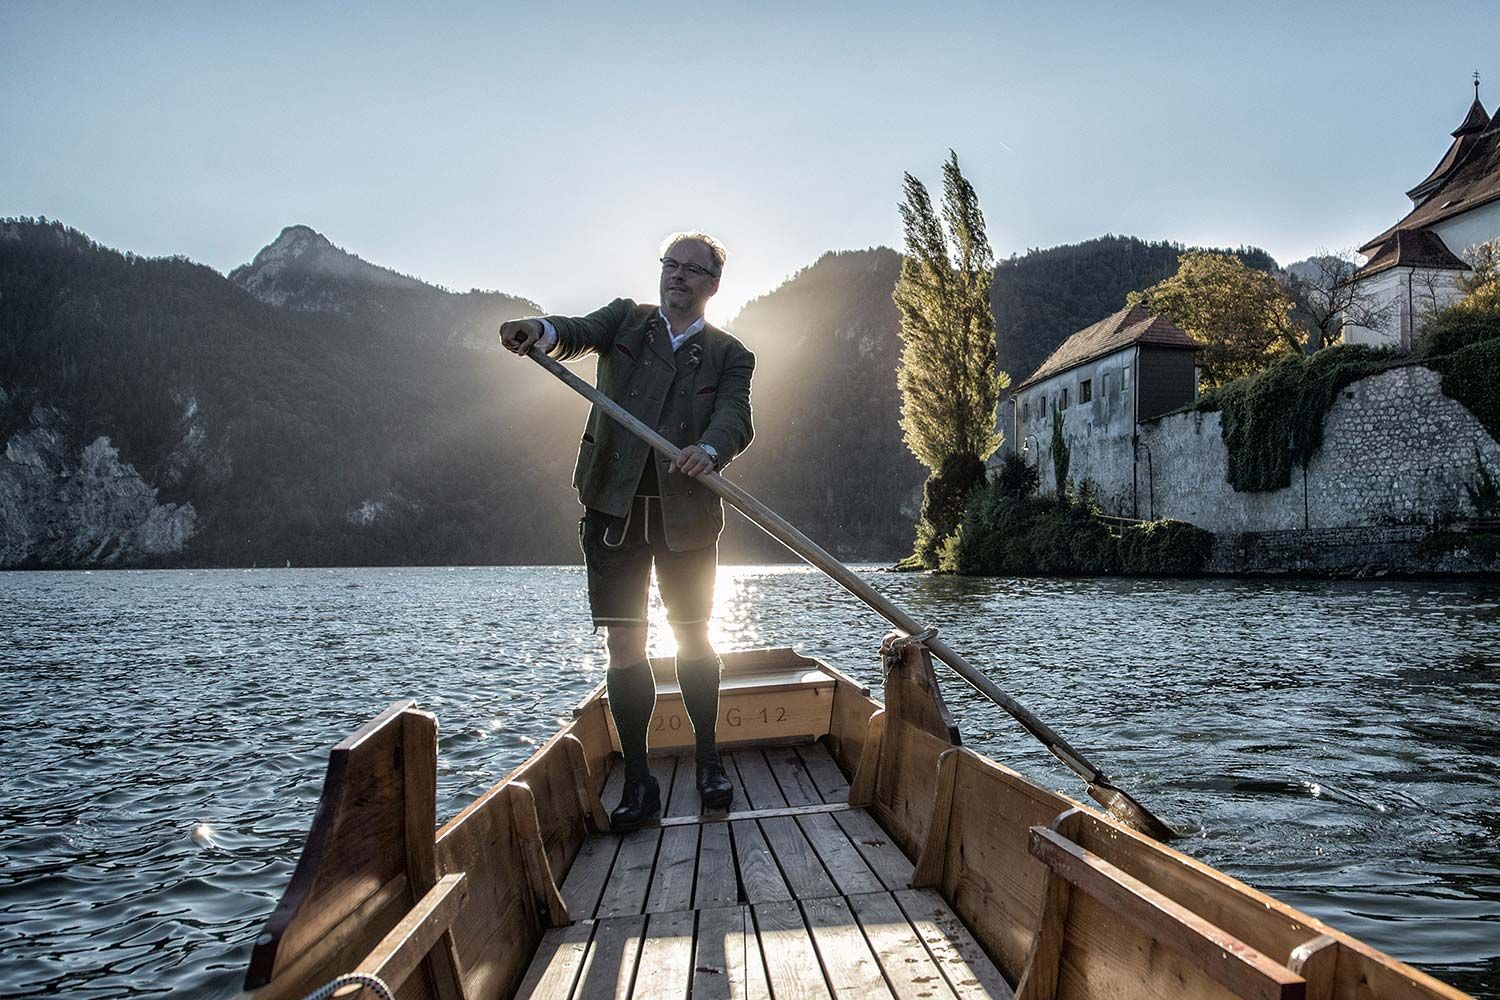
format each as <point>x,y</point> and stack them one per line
<point>714,246</point>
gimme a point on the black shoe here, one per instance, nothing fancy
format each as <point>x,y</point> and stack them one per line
<point>714,787</point>
<point>639,805</point>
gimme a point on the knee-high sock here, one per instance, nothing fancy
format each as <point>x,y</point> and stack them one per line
<point>632,699</point>
<point>699,680</point>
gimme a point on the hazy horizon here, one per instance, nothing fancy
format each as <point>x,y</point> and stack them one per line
<point>545,154</point>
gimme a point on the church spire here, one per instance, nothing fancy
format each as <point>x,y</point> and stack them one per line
<point>1476,119</point>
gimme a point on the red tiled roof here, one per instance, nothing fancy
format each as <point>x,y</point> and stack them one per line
<point>1410,248</point>
<point>1474,121</point>
<point>1461,147</point>
<point>1468,176</point>
<point>1131,325</point>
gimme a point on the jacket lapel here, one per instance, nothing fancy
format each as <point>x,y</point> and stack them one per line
<point>690,356</point>
<point>659,340</point>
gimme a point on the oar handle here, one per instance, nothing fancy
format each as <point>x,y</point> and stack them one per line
<point>783,531</point>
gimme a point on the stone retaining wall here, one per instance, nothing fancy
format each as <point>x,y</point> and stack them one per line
<point>1395,451</point>
<point>1359,552</point>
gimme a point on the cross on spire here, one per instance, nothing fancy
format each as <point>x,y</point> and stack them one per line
<point>1476,85</point>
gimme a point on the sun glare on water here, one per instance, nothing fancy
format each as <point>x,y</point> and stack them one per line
<point>733,625</point>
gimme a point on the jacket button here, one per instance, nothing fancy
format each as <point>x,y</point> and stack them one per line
<point>615,456</point>
<point>645,364</point>
<point>682,393</point>
<point>682,426</point>
<point>634,393</point>
<point>690,492</point>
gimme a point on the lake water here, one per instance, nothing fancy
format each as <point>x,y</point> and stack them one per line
<point>165,733</point>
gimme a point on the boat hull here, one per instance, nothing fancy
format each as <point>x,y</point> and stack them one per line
<point>869,853</point>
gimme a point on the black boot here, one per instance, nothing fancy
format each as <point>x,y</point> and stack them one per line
<point>639,805</point>
<point>714,786</point>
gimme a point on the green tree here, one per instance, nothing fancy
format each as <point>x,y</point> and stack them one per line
<point>1241,315</point>
<point>1475,317</point>
<point>1061,458</point>
<point>1481,285</point>
<point>949,381</point>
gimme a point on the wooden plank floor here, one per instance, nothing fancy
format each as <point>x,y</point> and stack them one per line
<point>792,894</point>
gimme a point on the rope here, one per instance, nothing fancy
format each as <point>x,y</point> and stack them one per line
<point>364,979</point>
<point>894,644</point>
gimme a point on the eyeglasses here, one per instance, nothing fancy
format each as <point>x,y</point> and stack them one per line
<point>693,270</point>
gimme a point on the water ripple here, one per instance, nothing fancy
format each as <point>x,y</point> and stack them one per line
<point>166,733</point>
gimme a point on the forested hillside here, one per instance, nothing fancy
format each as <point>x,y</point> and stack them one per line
<point>1044,296</point>
<point>296,436</point>
<point>319,409</point>
<point>828,452</point>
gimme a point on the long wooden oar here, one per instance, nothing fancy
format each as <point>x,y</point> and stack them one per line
<point>1120,803</point>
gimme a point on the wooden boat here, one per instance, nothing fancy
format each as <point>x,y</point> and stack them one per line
<point>869,853</point>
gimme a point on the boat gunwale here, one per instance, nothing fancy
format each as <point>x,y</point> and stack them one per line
<point>1217,897</point>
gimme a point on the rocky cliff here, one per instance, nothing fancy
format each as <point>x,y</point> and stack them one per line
<point>81,507</point>
<point>328,411</point>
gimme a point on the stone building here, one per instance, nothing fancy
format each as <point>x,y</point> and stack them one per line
<point>1104,380</point>
<point>1411,269</point>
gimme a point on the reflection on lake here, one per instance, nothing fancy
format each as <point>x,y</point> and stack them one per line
<point>165,733</point>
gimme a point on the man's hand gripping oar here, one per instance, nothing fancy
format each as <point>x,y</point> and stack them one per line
<point>522,337</point>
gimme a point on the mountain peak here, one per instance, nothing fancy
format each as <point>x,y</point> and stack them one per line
<point>303,269</point>
<point>295,240</point>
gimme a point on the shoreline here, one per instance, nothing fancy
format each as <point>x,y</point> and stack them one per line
<point>1363,573</point>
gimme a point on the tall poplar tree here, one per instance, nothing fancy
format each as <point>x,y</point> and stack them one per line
<point>950,385</point>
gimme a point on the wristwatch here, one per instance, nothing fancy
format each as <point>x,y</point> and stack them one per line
<point>712,452</point>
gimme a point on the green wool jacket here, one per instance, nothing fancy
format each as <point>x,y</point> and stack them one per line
<point>699,394</point>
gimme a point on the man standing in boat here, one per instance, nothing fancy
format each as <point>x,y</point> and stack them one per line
<point>691,381</point>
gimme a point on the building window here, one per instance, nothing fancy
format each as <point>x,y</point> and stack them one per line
<point>1025,412</point>
<point>1086,391</point>
<point>1104,391</point>
<point>1125,379</point>
<point>1064,398</point>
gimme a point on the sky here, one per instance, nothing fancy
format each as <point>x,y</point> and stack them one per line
<point>545,149</point>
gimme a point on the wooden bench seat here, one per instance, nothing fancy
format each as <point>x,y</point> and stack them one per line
<point>767,696</point>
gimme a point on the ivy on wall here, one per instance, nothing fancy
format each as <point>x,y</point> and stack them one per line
<point>1274,420</point>
<point>1471,376</point>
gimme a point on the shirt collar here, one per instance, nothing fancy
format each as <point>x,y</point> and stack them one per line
<point>679,338</point>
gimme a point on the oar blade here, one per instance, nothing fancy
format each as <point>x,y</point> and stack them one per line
<point>1120,805</point>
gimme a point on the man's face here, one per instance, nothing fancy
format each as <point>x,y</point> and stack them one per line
<point>683,291</point>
